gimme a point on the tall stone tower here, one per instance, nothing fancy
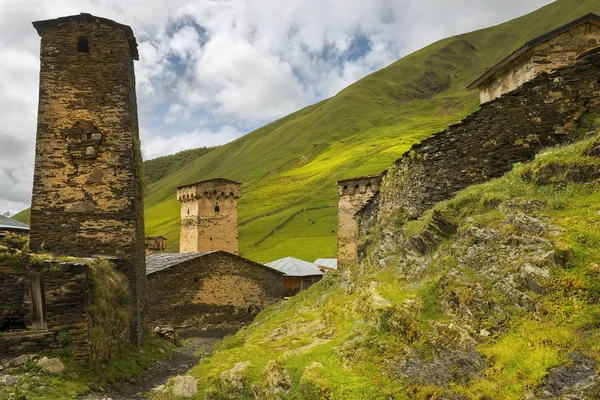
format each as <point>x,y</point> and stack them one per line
<point>353,195</point>
<point>87,189</point>
<point>209,216</point>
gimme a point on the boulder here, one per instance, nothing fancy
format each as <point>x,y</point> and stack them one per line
<point>18,361</point>
<point>52,365</point>
<point>185,386</point>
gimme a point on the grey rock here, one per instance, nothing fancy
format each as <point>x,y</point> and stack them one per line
<point>185,386</point>
<point>18,361</point>
<point>52,365</point>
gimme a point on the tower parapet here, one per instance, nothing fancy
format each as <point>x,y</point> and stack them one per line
<point>209,216</point>
<point>353,195</point>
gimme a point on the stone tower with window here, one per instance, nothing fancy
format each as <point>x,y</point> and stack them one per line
<point>87,191</point>
<point>353,194</point>
<point>209,216</point>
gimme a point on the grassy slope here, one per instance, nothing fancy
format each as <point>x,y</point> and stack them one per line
<point>292,164</point>
<point>349,336</point>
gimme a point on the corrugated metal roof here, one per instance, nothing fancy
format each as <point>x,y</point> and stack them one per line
<point>9,223</point>
<point>160,261</point>
<point>294,267</point>
<point>326,262</point>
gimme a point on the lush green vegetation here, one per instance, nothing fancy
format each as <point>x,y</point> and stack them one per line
<point>349,336</point>
<point>290,166</point>
<point>76,380</point>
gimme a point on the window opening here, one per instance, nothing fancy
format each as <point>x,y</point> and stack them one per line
<point>83,45</point>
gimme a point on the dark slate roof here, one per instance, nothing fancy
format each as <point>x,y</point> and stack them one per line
<point>85,17</point>
<point>9,223</point>
<point>158,262</point>
<point>294,267</point>
<point>532,43</point>
<point>161,261</point>
<point>223,180</point>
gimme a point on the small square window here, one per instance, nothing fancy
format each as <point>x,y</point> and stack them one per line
<point>82,44</point>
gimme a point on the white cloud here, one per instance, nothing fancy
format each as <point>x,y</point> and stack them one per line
<point>207,66</point>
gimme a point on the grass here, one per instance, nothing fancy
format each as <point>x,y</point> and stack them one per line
<point>293,163</point>
<point>344,337</point>
<point>75,381</point>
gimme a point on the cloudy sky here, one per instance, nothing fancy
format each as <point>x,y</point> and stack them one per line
<point>211,71</point>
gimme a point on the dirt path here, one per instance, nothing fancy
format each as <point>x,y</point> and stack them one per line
<point>159,372</point>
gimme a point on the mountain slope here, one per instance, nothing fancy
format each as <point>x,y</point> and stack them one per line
<point>289,167</point>
<point>502,302</point>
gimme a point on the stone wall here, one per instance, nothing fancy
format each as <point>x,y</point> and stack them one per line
<point>87,193</point>
<point>65,296</point>
<point>209,216</point>
<point>510,129</point>
<point>545,57</point>
<point>353,195</point>
<point>216,292</point>
<point>155,244</point>
<point>13,294</point>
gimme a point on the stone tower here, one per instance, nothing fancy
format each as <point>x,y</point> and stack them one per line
<point>353,195</point>
<point>209,216</point>
<point>87,190</point>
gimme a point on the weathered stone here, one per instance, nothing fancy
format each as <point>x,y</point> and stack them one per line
<point>353,194</point>
<point>209,216</point>
<point>18,361</point>
<point>52,365</point>
<point>87,190</point>
<point>185,386</point>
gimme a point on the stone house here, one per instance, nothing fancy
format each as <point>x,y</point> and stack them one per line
<point>299,274</point>
<point>155,244</point>
<point>555,49</point>
<point>208,291</point>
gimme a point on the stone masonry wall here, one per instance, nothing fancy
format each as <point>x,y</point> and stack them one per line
<point>66,300</point>
<point>353,195</point>
<point>87,193</point>
<point>545,57</point>
<point>486,144</point>
<point>215,292</point>
<point>209,216</point>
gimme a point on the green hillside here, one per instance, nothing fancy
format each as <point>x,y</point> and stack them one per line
<point>503,303</point>
<point>289,167</point>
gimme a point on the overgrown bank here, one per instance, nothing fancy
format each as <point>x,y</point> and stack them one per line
<point>493,294</point>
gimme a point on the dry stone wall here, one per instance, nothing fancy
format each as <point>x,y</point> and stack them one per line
<point>485,145</point>
<point>87,193</point>
<point>216,292</point>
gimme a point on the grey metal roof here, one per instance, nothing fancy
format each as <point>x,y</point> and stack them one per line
<point>326,262</point>
<point>294,267</point>
<point>9,223</point>
<point>160,261</point>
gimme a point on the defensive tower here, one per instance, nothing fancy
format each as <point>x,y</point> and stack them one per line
<point>209,216</point>
<point>87,191</point>
<point>353,195</point>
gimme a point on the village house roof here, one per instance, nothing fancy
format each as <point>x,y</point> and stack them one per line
<point>85,17</point>
<point>291,266</point>
<point>12,224</point>
<point>220,180</point>
<point>592,18</point>
<point>330,263</point>
<point>161,261</point>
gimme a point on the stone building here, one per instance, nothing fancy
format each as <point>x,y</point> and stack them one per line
<point>298,274</point>
<point>155,244</point>
<point>209,216</point>
<point>209,291</point>
<point>87,190</point>
<point>353,194</point>
<point>552,50</point>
